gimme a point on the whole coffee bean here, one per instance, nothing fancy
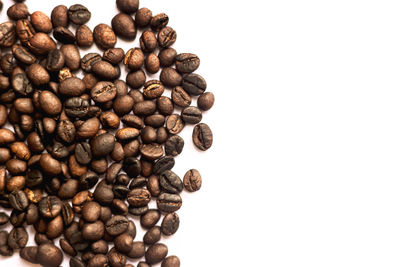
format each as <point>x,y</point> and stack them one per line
<point>153,186</point>
<point>72,87</point>
<point>167,57</point>
<point>155,120</point>
<point>91,211</point>
<point>99,247</point>
<point>115,56</point>
<point>67,214</point>
<point>99,165</point>
<point>191,115</point>
<point>21,84</point>
<point>84,36</point>
<point>143,17</point>
<point>138,250</point>
<point>133,121</point>
<point>169,202</point>
<point>123,243</point>
<point>170,77</point>
<point>76,107</point>
<point>8,63</point>
<point>150,218</point>
<point>163,164</point>
<point>38,74</point>
<point>143,264</point>
<point>88,180</point>
<point>174,145</point>
<point>6,251</point>
<point>124,26</point>
<point>109,120</point>
<point>165,105</point>
<point>17,218</point>
<point>68,189</point>
<point>187,62</point>
<point>41,22</point>
<point>18,200</point>
<point>206,101</point>
<point>192,180</point>
<point>50,103</point>
<point>194,84</point>
<point>127,133</point>
<point>79,200</point>
<point>202,136</point>
<point>29,254</point>
<point>159,21</point>
<point>104,36</point>
<point>18,238</point>
<point>102,145</point>
<point>153,89</point>
<point>55,60</point>
<point>6,136</point>
<point>132,166</point>
<point>113,171</point>
<point>148,135</point>
<point>20,150</point>
<point>105,70</point>
<point>170,182</point>
<point>79,14</point>
<point>72,56</point>
<point>148,41</point>
<point>152,236</point>
<point>116,225</point>
<point>144,108</point>
<point>175,124</point>
<point>41,43</point>
<point>166,37</point>
<point>136,79</point>
<point>75,262</point>
<point>156,253</point>
<point>170,224</point>
<point>88,129</point>
<point>50,207</point>
<point>49,255</point>
<point>119,206</point>
<point>123,105</point>
<point>152,63</point>
<point>4,218</point>
<point>15,183</point>
<point>83,153</point>
<point>67,247</point>
<point>93,231</point>
<point>171,261</point>
<point>55,227</point>
<point>151,151</point>
<point>103,92</point>
<point>98,260</point>
<point>23,55</point>
<point>134,59</point>
<point>116,259</point>
<point>103,194</point>
<point>66,131</point>
<point>18,11</point>
<point>139,197</point>
<point>59,16</point>
<point>64,35</point>
<point>24,30</point>
<point>128,6</point>
<point>138,182</point>
<point>89,60</point>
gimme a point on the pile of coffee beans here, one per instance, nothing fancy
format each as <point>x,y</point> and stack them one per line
<point>83,155</point>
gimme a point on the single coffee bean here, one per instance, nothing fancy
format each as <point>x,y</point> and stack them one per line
<point>50,103</point>
<point>93,231</point>
<point>166,37</point>
<point>29,254</point>
<point>109,119</point>
<point>83,153</point>
<point>143,17</point>
<point>134,59</point>
<point>38,74</point>
<point>138,250</point>
<point>91,211</point>
<point>170,224</point>
<point>167,57</point>
<point>79,14</point>
<point>127,133</point>
<point>171,261</point>
<point>116,259</point>
<point>102,145</point>
<point>133,121</point>
<point>148,41</point>
<point>72,56</point>
<point>55,60</point>
<point>136,79</point>
<point>104,195</point>
<point>128,6</point>
<point>6,251</point>
<point>113,171</point>
<point>59,16</point>
<point>174,145</point>
<point>105,70</point>
<point>41,22</point>
<point>170,182</point>
<point>192,180</point>
<point>104,36</point>
<point>139,197</point>
<point>153,185</point>
<point>151,151</point>
<point>88,180</point>
<point>98,260</point>
<point>194,84</point>
<point>18,238</point>
<point>54,228</point>
<point>18,200</point>
<point>144,108</point>
<point>156,253</point>
<point>66,131</point>
<point>152,63</point>
<point>88,129</point>
<point>175,124</point>
<point>18,11</point>
<point>21,84</point>
<point>123,243</point>
<point>24,30</point>
<point>4,218</point>
<point>206,101</point>
<point>76,107</point>
<point>115,56</point>
<point>202,136</point>
<point>163,164</point>
<point>64,35</point>
<point>89,60</point>
<point>123,104</point>
<point>191,115</point>
<point>187,62</point>
<point>103,92</point>
<point>41,43</point>
<point>165,105</point>
<point>116,225</point>
<point>67,214</point>
<point>153,89</point>
<point>150,218</point>
<point>148,135</point>
<point>50,207</point>
<point>72,87</point>
<point>75,262</point>
<point>152,236</point>
<point>49,255</point>
<point>124,26</point>
<point>169,202</point>
<point>23,55</point>
<point>159,21</point>
<point>20,150</point>
<point>67,247</point>
<point>17,218</point>
<point>84,36</point>
<point>99,247</point>
<point>170,77</point>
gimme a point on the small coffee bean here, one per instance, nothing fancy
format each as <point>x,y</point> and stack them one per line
<point>170,224</point>
<point>41,43</point>
<point>150,218</point>
<point>93,231</point>
<point>4,218</point>
<point>88,180</point>
<point>67,247</point>
<point>148,41</point>
<point>152,63</point>
<point>128,6</point>
<point>105,70</point>
<point>116,259</point>
<point>206,101</point>
<point>169,202</point>
<point>116,225</point>
<point>133,121</point>
<point>38,74</point>
<point>104,36</point>
<point>89,60</point>
<point>103,194</point>
<point>88,129</point>
<point>72,56</point>
<point>170,182</point>
<point>21,85</point>
<point>162,135</point>
<point>50,103</point>
<point>18,200</point>
<point>20,150</point>
<point>55,60</point>
<point>50,207</point>
<point>139,197</point>
<point>143,17</point>
<point>165,105</point>
<point>136,79</point>
<point>123,243</point>
<point>18,11</point>
<point>166,37</point>
<point>102,145</point>
<point>171,261</point>
<point>91,211</point>
<point>202,136</point>
<point>174,145</point>
<point>191,115</point>
<point>123,105</point>
<point>29,254</point>
<point>167,57</point>
<point>192,180</point>
<point>79,14</point>
<point>127,133</point>
<point>84,36</point>
<point>132,166</point>
<point>138,250</point>
<point>134,59</point>
<point>24,30</point>
<point>18,238</point>
<point>187,62</point>
<point>170,77</point>
<point>49,255</point>
<point>153,185</point>
<point>64,35</point>
<point>76,107</point>
<point>23,55</point>
<point>159,21</point>
<point>148,135</point>
<point>103,92</point>
<point>72,87</point>
<point>156,253</point>
<point>114,56</point>
<point>194,84</point>
<point>83,153</point>
<point>175,124</point>
<point>66,131</point>
<point>124,26</point>
<point>59,16</point>
<point>151,151</point>
<point>144,108</point>
<point>152,236</point>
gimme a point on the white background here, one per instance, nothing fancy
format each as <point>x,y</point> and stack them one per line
<point>304,170</point>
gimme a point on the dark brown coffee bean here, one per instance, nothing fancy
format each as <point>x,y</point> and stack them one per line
<point>18,11</point>
<point>152,236</point>
<point>127,133</point>
<point>169,202</point>
<point>109,120</point>
<point>24,30</point>
<point>20,150</point>
<point>167,57</point>
<point>68,189</point>
<point>159,21</point>
<point>187,62</point>
<point>72,56</point>
<point>83,153</point>
<point>88,129</point>
<point>144,108</point>
<point>166,37</point>
<point>55,60</point>
<point>6,251</point>
<point>170,77</point>
<point>50,207</point>
<point>155,120</point>
<point>49,255</point>
<point>99,247</point>
<point>151,151</point>
<point>64,35</point>
<point>66,131</point>
<point>134,59</point>
<point>113,171</point>
<point>93,231</point>
<point>84,36</point>
<point>133,121</point>
<point>17,218</point>
<point>6,136</point>
<point>67,248</point>
<point>76,107</point>
<point>156,253</point>
<point>104,36</point>
<point>103,194</point>
<point>18,200</point>
<point>124,26</point>
<point>148,135</point>
<point>98,260</point>
<point>105,70</point>
<point>138,250</point>
<point>128,6</point>
<point>41,22</point>
<point>206,101</point>
<point>72,87</point>
<point>41,43</point>
<point>152,63</point>
<point>55,228</point>
<point>116,225</point>
<point>75,262</point>
<point>165,105</point>
<point>38,74</point>
<point>50,103</point>
<point>116,259</point>
<point>123,243</point>
<point>139,197</point>
<point>191,115</point>
<point>150,218</point>
<point>131,149</point>
<point>18,238</point>
<point>170,182</point>
<point>103,92</point>
<point>91,211</point>
<point>67,213</point>
<point>123,105</point>
<point>171,261</point>
<point>4,218</point>
<point>89,60</point>
<point>29,254</point>
<point>102,145</point>
<point>148,41</point>
<point>163,164</point>
<point>114,56</point>
<point>194,84</point>
<point>202,136</point>
<point>143,17</point>
<point>153,186</point>
<point>136,79</point>
<point>59,16</point>
<point>170,224</point>
<point>23,55</point>
<point>175,124</point>
<point>79,14</point>
<point>88,180</point>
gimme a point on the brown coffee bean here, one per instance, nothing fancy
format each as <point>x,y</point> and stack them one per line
<point>23,55</point>
<point>151,151</point>
<point>37,74</point>
<point>128,6</point>
<point>59,16</point>
<point>50,165</point>
<point>102,144</point>
<point>165,105</point>
<point>134,59</point>
<point>123,243</point>
<point>68,189</point>
<point>153,186</point>
<point>138,250</point>
<point>84,36</point>
<point>192,180</point>
<point>72,87</point>
<point>91,211</point>
<point>20,150</point>
<point>67,248</point>
<point>152,63</point>
<point>24,105</point>
<point>150,218</point>
<point>93,231</point>
<point>49,255</point>
<point>72,56</point>
<point>169,202</point>
<point>166,37</point>
<point>6,136</point>
<point>136,79</point>
<point>139,197</point>
<point>174,124</point>
<point>104,36</point>
<point>66,131</point>
<point>170,224</point>
<point>29,254</point>
<point>144,108</point>
<point>55,60</point>
<point>167,57</point>
<point>159,21</point>
<point>105,70</point>
<point>50,103</point>
<point>41,44</point>
<point>89,60</point>
<point>152,236</point>
<point>148,41</point>
<point>191,115</point>
<point>124,26</point>
<point>170,77</point>
<point>153,89</point>
<point>143,17</point>
<point>114,56</point>
<point>156,253</point>
<point>171,261</point>
<point>79,14</point>
<point>18,11</point>
<point>41,22</point>
<point>202,136</point>
<point>187,62</point>
<point>109,120</point>
<point>55,228</point>
<point>103,92</point>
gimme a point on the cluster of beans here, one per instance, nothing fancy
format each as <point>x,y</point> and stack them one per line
<point>82,157</point>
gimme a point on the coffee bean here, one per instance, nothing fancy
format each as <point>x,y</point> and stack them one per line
<point>98,261</point>
<point>143,264</point>
<point>138,250</point>
<point>20,150</point>
<point>174,145</point>
<point>148,41</point>
<point>170,77</point>
<point>152,63</point>
<point>21,84</point>
<point>55,228</point>
<point>136,79</point>
<point>194,84</point>
<point>170,182</point>
<point>38,74</point>
<point>75,262</point>
<point>104,36</point>
<point>41,43</point>
<point>29,254</point>
<point>169,202</point>
<point>18,200</point>
<point>64,35</point>
<point>103,92</point>
<point>152,236</point>
<point>99,247</point>
<point>123,243</point>
<point>91,211</point>
<point>50,103</point>
<point>76,107</point>
<point>123,105</point>
<point>145,108</point>
<point>205,101</point>
<point>175,124</point>
<point>163,164</point>
<point>139,197</point>
<point>55,60</point>
<point>191,115</point>
<point>18,11</point>
<point>89,60</point>
<point>143,17</point>
<point>23,29</point>
<point>150,218</point>
<point>128,6</point>
<point>116,225</point>
<point>127,133</point>
<point>72,56</point>
<point>93,231</point>
<point>102,145</point>
<point>133,121</point>
<point>166,37</point>
<point>134,59</point>
<point>88,180</point>
<point>67,213</point>
<point>72,87</point>
<point>79,14</point>
<point>4,218</point>
<point>156,253</point>
<point>192,180</point>
<point>113,171</point>
<point>59,16</point>
<point>83,153</point>
<point>159,21</point>
<point>50,207</point>
<point>153,89</point>
<point>124,26</point>
<point>202,136</point>
<point>115,56</point>
<point>103,194</point>
<point>165,105</point>
<point>167,57</point>
<point>49,255</point>
<point>67,247</point>
<point>105,70</point>
<point>18,238</point>
<point>170,224</point>
<point>88,129</point>
<point>66,131</point>
<point>151,151</point>
<point>84,36</point>
<point>23,55</point>
<point>171,261</point>
<point>187,62</point>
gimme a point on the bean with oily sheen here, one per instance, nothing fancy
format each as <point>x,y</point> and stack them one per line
<point>64,35</point>
<point>191,115</point>
<point>116,225</point>
<point>174,124</point>
<point>105,70</point>
<point>29,254</point>
<point>103,92</point>
<point>170,224</point>
<point>72,56</point>
<point>49,255</point>
<point>152,236</point>
<point>124,26</point>
<point>7,34</point>
<point>170,77</point>
<point>55,60</point>
<point>128,6</point>
<point>78,14</point>
<point>187,62</point>
<point>150,218</point>
<point>59,16</point>
<point>206,101</point>
<point>72,87</point>
<point>202,136</point>
<point>156,253</point>
<point>169,202</point>
<point>138,250</point>
<point>102,145</point>
<point>83,153</point>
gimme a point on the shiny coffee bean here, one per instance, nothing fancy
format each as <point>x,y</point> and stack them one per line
<point>123,243</point>
<point>114,56</point>
<point>143,17</point>
<point>134,58</point>
<point>59,16</point>
<point>156,253</point>
<point>49,255</point>
<point>150,218</point>
<point>83,153</point>
<point>166,37</point>
<point>202,136</point>
<point>91,211</point>
<point>64,35</point>
<point>152,236</point>
<point>29,254</point>
<point>170,224</point>
<point>116,225</point>
<point>153,89</point>
<point>104,36</point>
<point>18,11</point>
<point>124,26</point>
<point>18,238</point>
<point>128,6</point>
<point>206,101</point>
<point>136,79</point>
<point>169,202</point>
<point>191,115</point>
<point>171,261</point>
<point>103,92</point>
<point>167,57</point>
<point>72,87</point>
<point>139,197</point>
<point>72,56</point>
<point>18,200</point>
<point>194,84</point>
<point>159,21</point>
<point>79,14</point>
<point>50,207</point>
<point>174,145</point>
<point>93,231</point>
<point>175,124</point>
<point>106,70</point>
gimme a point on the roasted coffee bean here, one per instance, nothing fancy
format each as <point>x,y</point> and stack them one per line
<point>153,185</point>
<point>91,211</point>
<point>167,57</point>
<point>99,165</point>
<point>170,224</point>
<point>133,121</point>
<point>41,22</point>
<point>134,59</point>
<point>175,124</point>
<point>170,182</point>
<point>4,218</point>
<point>165,105</point>
<point>124,26</point>
<point>15,183</point>
<point>55,227</point>
<point>166,37</point>
<point>3,238</point>
<point>18,238</point>
<point>105,70</point>
<point>194,84</point>
<point>17,218</point>
<point>116,225</point>
<point>103,194</point>
<point>114,56</point>
<point>151,151</point>
<point>76,107</point>
<point>75,262</point>
<point>171,261</point>
<point>162,135</point>
<point>84,36</point>
<point>138,211</point>
<point>174,145</point>
<point>170,77</point>
<point>50,103</point>
<point>50,165</point>
<point>136,79</point>
<point>89,60</point>
<point>41,43</point>
<point>24,30</point>
<point>6,136</point>
<point>191,115</point>
<point>156,253</point>
<point>102,145</point>
<point>49,255</point>
<point>59,16</point>
<point>29,254</point>
<point>50,207</point>
<point>192,180</point>
<point>128,6</point>
<point>152,63</point>
<point>99,247</point>
<point>103,92</point>
<point>153,89</point>
<point>98,261</point>
<point>55,60</point>
<point>148,135</point>
<point>18,200</point>
<point>59,151</point>
<point>64,35</point>
<point>72,56</point>
<point>119,206</point>
<point>164,164</point>
<point>72,87</point>
<point>20,150</point>
<point>138,250</point>
<point>116,259</point>
<point>169,202</point>
<point>93,231</point>
<point>150,218</point>
<point>7,34</point>
<point>202,136</point>
<point>109,120</point>
<point>21,84</point>
<point>6,251</point>
<point>38,74</point>
<point>120,191</point>
<point>152,236</point>
<point>139,197</point>
<point>88,180</point>
<point>159,21</point>
<point>83,153</point>
<point>79,14</point>
<point>144,108</point>
<point>155,120</point>
<point>67,213</point>
<point>187,62</point>
<point>113,171</point>
<point>127,133</point>
<point>88,129</point>
<point>148,41</point>
<point>123,243</point>
<point>67,247</point>
<point>104,36</point>
<point>143,17</point>
<point>206,101</point>
<point>18,11</point>
<point>23,55</point>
